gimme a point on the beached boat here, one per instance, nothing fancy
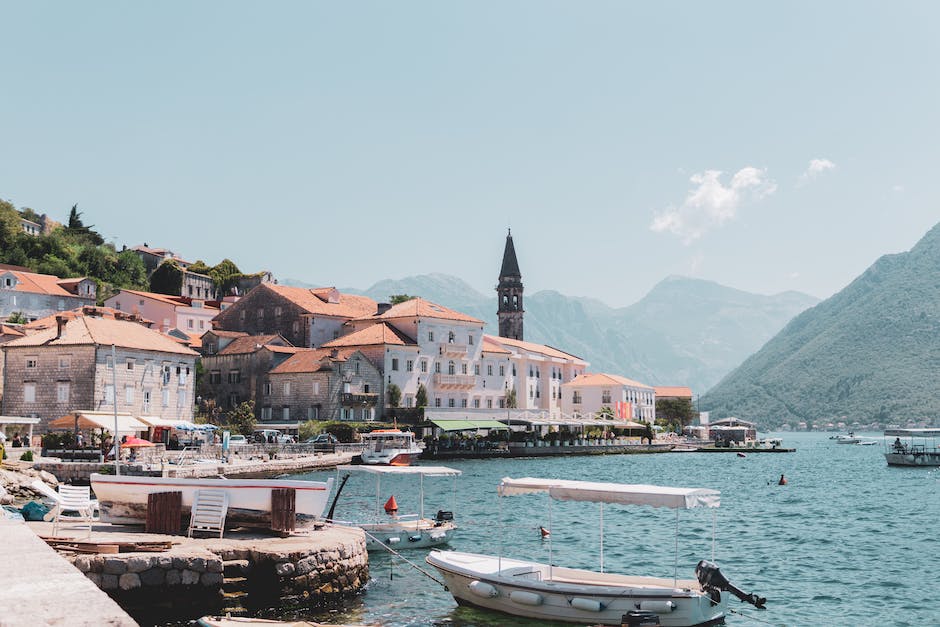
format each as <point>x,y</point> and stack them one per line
<point>912,447</point>
<point>123,499</point>
<point>403,531</point>
<point>547,592</point>
<point>390,447</point>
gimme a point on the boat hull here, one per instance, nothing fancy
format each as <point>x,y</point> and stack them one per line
<point>928,459</point>
<point>533,590</point>
<point>389,457</point>
<point>123,499</point>
<point>416,534</point>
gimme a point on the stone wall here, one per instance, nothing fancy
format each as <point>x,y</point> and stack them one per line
<point>45,368</point>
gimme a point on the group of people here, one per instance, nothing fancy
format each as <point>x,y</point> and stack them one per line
<point>18,442</point>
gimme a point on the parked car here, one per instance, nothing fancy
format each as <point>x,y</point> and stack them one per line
<point>237,440</point>
<point>323,442</point>
<point>272,436</point>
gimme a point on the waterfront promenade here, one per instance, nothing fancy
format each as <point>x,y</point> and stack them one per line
<point>40,587</point>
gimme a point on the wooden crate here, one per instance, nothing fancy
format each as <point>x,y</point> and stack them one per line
<point>163,512</point>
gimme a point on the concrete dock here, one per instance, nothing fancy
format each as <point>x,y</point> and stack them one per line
<point>40,587</point>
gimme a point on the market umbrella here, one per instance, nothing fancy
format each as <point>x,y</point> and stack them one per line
<point>135,442</point>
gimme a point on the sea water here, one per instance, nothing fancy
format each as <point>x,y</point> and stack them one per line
<point>848,540</point>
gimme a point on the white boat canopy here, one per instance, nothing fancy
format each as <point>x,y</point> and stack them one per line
<point>916,433</point>
<point>621,493</point>
<point>428,471</point>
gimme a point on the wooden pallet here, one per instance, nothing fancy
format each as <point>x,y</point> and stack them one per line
<point>104,547</point>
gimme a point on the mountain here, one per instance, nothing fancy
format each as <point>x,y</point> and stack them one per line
<point>870,353</point>
<point>684,332</point>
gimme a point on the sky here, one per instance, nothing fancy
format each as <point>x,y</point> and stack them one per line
<point>765,146</point>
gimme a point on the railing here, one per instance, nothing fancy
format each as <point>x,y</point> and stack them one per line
<point>455,380</point>
<point>448,348</point>
<point>358,399</point>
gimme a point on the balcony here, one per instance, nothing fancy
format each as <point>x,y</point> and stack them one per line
<point>358,399</point>
<point>454,381</point>
<point>449,348</point>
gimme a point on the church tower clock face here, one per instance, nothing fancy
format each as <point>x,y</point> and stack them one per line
<point>509,289</point>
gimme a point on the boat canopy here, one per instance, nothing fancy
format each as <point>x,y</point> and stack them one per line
<point>916,433</point>
<point>428,471</point>
<point>468,425</point>
<point>624,494</point>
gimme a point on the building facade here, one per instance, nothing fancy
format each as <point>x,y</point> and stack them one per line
<point>70,368</point>
<point>39,295</point>
<point>192,316</point>
<point>590,393</point>
<point>238,371</point>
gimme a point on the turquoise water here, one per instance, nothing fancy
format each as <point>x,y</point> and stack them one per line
<point>849,541</point>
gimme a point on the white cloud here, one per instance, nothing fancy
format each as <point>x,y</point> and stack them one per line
<point>816,167</point>
<point>710,203</point>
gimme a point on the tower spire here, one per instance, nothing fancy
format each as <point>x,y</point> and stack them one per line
<point>509,290</point>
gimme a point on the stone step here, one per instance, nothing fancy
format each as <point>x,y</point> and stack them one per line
<point>235,584</point>
<point>236,568</point>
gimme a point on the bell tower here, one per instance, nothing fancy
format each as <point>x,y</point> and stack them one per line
<point>509,291</point>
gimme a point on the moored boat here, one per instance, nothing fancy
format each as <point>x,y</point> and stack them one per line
<point>400,531</point>
<point>123,499</point>
<point>548,592</point>
<point>917,448</point>
<point>391,447</point>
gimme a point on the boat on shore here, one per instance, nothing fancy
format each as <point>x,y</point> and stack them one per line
<point>391,447</point>
<point>388,528</point>
<point>917,448</point>
<point>123,499</point>
<point>553,593</point>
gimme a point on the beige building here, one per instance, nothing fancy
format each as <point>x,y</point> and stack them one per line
<point>69,367</point>
<point>587,394</point>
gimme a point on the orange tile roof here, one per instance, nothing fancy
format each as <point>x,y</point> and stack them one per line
<point>420,308</point>
<point>599,379</point>
<point>317,301</point>
<point>677,391</point>
<point>83,330</point>
<point>542,349</point>
<point>250,343</point>
<point>33,283</point>
<point>223,333</point>
<point>88,310</point>
<point>6,329</point>
<point>492,346</point>
<point>376,334</point>
<point>177,301</point>
<point>310,360</point>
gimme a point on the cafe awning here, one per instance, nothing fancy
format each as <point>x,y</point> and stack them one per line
<point>98,420</point>
<point>468,425</point>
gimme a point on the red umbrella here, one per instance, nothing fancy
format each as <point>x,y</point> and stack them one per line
<point>134,442</point>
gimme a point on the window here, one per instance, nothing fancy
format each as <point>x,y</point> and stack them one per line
<point>424,365</point>
<point>437,367</point>
<point>265,413</point>
<point>260,315</point>
<point>489,403</point>
<point>430,336</point>
<point>476,369</point>
<point>576,397</point>
<point>285,413</point>
<point>394,364</point>
<point>514,370</point>
<point>165,397</point>
<point>502,403</point>
<point>489,370</point>
<point>234,376</point>
<point>295,327</point>
<point>476,403</point>
<point>128,395</point>
<point>437,402</point>
<point>233,400</point>
<point>365,388</point>
<point>313,413</point>
<point>29,392</point>
<point>109,394</point>
<point>215,377</point>
<point>450,402</point>
<point>450,337</point>
<point>502,370</point>
<point>409,401</point>
<point>267,389</point>
<point>451,368</point>
<point>147,399</point>
<point>180,398</point>
<point>316,387</point>
<point>410,365</point>
<point>463,368</point>
<point>463,402</point>
<point>531,392</point>
<point>470,340</point>
<point>32,362</point>
<point>605,396</point>
<point>62,392</point>
<point>241,315</point>
<point>357,366</point>
<point>287,388</point>
<point>130,363</point>
<point>189,323</point>
<point>277,312</point>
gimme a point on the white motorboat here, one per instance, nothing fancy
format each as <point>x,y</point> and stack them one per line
<point>390,447</point>
<point>547,592</point>
<point>401,531</point>
<point>847,439</point>
<point>917,448</point>
<point>123,499</point>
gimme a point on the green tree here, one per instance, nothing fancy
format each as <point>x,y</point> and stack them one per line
<point>242,418</point>
<point>77,229</point>
<point>129,271</point>
<point>511,398</point>
<point>605,413</point>
<point>675,411</point>
<point>421,396</point>
<point>200,267</point>
<point>400,298</point>
<point>394,395</point>
<point>167,279</point>
<point>17,317</point>
<point>225,275</point>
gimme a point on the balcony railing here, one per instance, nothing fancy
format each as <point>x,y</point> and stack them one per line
<point>454,381</point>
<point>354,399</point>
<point>449,348</point>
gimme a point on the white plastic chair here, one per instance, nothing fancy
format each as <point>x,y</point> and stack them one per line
<point>208,512</point>
<point>74,499</point>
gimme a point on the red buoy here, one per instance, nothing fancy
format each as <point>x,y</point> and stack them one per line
<point>391,506</point>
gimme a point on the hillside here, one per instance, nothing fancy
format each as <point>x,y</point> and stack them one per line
<point>684,332</point>
<point>869,353</point>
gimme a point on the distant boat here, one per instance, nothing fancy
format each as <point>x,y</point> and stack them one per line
<point>918,448</point>
<point>847,439</point>
<point>391,447</point>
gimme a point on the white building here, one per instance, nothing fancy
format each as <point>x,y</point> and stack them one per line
<point>628,399</point>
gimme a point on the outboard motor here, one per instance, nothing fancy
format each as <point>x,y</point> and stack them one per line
<point>442,516</point>
<point>712,580</point>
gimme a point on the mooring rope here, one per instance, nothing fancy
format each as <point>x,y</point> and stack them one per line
<point>746,615</point>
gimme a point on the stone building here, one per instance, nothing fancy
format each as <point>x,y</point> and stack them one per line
<point>305,317</point>
<point>39,295</point>
<point>69,368</point>
<point>323,384</point>
<point>237,372</point>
